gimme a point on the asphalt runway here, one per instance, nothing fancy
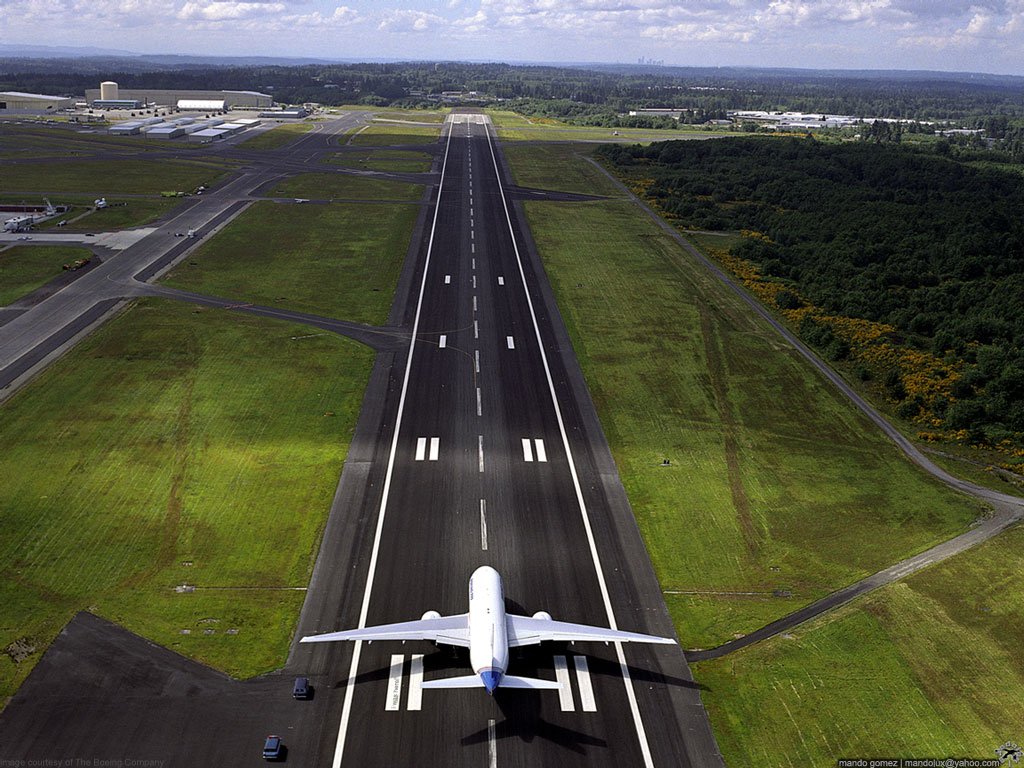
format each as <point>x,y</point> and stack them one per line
<point>477,444</point>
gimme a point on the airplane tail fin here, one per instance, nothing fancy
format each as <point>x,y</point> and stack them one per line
<point>507,681</point>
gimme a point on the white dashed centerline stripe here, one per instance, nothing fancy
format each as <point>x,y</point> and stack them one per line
<point>476,361</point>
<point>627,680</point>
<point>510,342</point>
<point>474,282</point>
<point>479,403</point>
<point>481,444</point>
<point>416,683</point>
<point>346,710</point>
<point>476,329</point>
<point>492,745</point>
<point>447,279</point>
<point>483,525</point>
<point>434,445</point>
<point>472,247</point>
<point>587,701</point>
<point>421,448</point>
<point>394,699</point>
<point>474,265</point>
<point>527,449</point>
<point>501,280</point>
<point>442,342</point>
<point>565,701</point>
<point>542,455</point>
<point>474,303</point>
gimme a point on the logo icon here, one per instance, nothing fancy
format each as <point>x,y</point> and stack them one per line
<point>1009,753</point>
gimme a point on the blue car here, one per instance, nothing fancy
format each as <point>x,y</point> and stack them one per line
<point>273,749</point>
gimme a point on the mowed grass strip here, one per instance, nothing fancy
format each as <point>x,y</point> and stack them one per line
<point>559,167</point>
<point>396,134</point>
<point>277,137</point>
<point>120,213</point>
<point>107,177</point>
<point>340,260</point>
<point>24,268</point>
<point>345,186</point>
<point>778,491</point>
<point>928,667</point>
<point>175,446</point>
<point>393,160</point>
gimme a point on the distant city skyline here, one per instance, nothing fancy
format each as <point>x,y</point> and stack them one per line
<point>950,35</point>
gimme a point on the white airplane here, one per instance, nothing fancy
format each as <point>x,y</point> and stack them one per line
<point>488,632</point>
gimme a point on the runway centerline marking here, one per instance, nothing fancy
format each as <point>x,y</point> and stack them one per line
<point>587,701</point>
<point>483,525</point>
<point>527,449</point>
<point>501,280</point>
<point>479,403</point>
<point>627,679</point>
<point>474,282</point>
<point>476,360</point>
<point>474,303</point>
<point>476,329</point>
<point>434,445</point>
<point>394,698</point>
<point>415,683</point>
<point>565,701</point>
<point>481,449</point>
<point>442,342</point>
<point>346,710</point>
<point>474,265</point>
<point>510,342</point>
<point>472,247</point>
<point>447,279</point>
<point>492,744</point>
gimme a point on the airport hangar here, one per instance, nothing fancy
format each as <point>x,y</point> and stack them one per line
<point>110,94</point>
<point>16,102</point>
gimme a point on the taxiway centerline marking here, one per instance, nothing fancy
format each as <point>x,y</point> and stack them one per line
<point>627,679</point>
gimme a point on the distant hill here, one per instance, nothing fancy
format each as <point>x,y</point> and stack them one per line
<point>56,51</point>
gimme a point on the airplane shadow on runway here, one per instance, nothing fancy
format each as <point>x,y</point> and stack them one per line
<point>526,724</point>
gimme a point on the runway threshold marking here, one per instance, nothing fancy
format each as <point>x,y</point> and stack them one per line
<point>415,683</point>
<point>394,698</point>
<point>565,700</point>
<point>442,342</point>
<point>510,342</point>
<point>627,680</point>
<point>527,450</point>
<point>350,688</point>
<point>483,525</point>
<point>434,445</point>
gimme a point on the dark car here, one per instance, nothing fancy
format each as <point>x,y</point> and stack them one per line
<point>273,749</point>
<point>302,688</point>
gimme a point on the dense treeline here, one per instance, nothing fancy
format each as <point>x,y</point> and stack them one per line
<point>594,95</point>
<point>907,263</point>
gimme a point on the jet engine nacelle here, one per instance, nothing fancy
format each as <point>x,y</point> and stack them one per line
<point>543,615</point>
<point>430,615</point>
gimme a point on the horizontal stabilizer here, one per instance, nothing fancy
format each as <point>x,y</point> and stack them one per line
<point>469,681</point>
<point>508,681</point>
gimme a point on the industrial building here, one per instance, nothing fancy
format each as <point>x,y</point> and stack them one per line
<point>110,93</point>
<point>33,103</point>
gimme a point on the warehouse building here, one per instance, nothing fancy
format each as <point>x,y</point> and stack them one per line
<point>109,91</point>
<point>15,102</point>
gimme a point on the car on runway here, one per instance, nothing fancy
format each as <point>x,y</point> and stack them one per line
<point>273,748</point>
<point>302,688</point>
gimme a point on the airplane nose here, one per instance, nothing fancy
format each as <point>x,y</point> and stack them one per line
<point>491,678</point>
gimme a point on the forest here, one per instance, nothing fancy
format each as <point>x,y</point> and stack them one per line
<point>904,264</point>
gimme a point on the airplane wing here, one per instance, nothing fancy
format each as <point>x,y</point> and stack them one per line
<point>526,630</point>
<point>447,630</point>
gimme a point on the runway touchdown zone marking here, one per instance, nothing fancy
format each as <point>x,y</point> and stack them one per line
<point>586,688</point>
<point>421,448</point>
<point>393,697</point>
<point>534,448</point>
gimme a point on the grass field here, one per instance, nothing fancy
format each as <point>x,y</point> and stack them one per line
<point>414,115</point>
<point>777,485</point>
<point>174,446</point>
<point>391,160</point>
<point>277,137</point>
<point>121,213</point>
<point>340,260</point>
<point>396,134</point>
<point>27,267</point>
<point>558,167</point>
<point>512,127</point>
<point>107,177</point>
<point>345,186</point>
<point>927,667</point>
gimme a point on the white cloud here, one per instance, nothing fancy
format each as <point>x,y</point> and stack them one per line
<point>225,10</point>
<point>409,21</point>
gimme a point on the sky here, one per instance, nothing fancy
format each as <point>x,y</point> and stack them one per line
<point>952,35</point>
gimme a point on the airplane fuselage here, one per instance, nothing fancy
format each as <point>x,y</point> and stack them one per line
<point>488,630</point>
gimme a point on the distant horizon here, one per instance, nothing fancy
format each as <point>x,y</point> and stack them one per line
<point>46,53</point>
<point>956,36</point>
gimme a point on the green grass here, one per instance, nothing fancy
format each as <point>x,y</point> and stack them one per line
<point>345,186</point>
<point>174,446</point>
<point>560,167</point>
<point>106,177</point>
<point>776,483</point>
<point>389,134</point>
<point>136,212</point>
<point>24,268</point>
<point>512,130</point>
<point>338,260</point>
<point>927,667</point>
<point>277,137</point>
<point>393,160</point>
<point>414,115</point>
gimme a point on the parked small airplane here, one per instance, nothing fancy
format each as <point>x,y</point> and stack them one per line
<point>488,632</point>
